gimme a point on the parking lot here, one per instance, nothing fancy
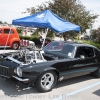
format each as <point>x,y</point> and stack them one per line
<point>79,88</point>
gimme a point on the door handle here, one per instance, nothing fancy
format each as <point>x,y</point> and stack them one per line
<point>96,60</point>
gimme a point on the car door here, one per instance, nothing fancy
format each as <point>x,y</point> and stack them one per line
<point>72,68</point>
<point>90,59</point>
<point>6,36</point>
<point>71,64</point>
<point>1,39</point>
<point>87,59</point>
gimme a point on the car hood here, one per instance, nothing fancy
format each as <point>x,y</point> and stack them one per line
<point>9,62</point>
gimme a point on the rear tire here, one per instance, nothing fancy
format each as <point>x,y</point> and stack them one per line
<point>97,73</point>
<point>15,45</point>
<point>46,81</point>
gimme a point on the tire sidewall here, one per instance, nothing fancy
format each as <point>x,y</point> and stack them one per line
<point>13,45</point>
<point>97,73</point>
<point>38,82</point>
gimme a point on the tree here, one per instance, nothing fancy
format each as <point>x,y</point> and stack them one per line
<point>95,34</point>
<point>1,22</point>
<point>5,23</point>
<point>70,10</point>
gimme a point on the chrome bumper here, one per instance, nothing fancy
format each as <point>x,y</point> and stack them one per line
<point>20,79</point>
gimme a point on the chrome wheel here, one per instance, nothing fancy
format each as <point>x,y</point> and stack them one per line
<point>47,81</point>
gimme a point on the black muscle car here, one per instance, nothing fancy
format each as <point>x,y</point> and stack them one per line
<point>63,60</point>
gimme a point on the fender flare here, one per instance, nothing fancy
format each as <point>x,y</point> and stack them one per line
<point>14,40</point>
<point>50,69</point>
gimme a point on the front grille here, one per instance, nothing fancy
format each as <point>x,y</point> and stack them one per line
<point>4,71</point>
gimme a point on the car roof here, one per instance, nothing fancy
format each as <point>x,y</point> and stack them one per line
<point>77,44</point>
<point>7,27</point>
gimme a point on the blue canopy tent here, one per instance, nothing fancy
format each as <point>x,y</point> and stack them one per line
<point>47,19</point>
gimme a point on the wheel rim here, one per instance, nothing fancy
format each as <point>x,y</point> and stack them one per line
<point>15,45</point>
<point>47,81</point>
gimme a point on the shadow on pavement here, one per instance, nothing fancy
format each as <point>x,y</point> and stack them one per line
<point>97,92</point>
<point>11,89</point>
<point>74,80</point>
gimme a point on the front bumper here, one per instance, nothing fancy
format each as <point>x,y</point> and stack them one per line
<point>21,82</point>
<point>20,79</point>
<point>26,81</point>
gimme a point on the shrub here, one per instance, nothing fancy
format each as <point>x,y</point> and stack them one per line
<point>92,43</point>
<point>19,30</point>
<point>96,44</point>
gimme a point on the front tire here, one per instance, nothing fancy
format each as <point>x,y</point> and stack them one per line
<point>46,81</point>
<point>15,45</point>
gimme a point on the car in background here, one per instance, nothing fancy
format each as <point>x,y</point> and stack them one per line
<point>9,37</point>
<point>86,37</point>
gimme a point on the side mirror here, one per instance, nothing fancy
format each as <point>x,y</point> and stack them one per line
<point>82,56</point>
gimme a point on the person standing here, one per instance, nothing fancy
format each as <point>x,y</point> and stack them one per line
<point>41,40</point>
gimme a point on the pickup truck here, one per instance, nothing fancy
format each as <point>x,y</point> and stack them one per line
<point>9,37</point>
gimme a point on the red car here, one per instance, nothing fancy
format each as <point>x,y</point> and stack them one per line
<point>9,37</point>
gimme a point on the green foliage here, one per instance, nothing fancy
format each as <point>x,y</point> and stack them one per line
<point>93,43</point>
<point>19,30</point>
<point>1,22</point>
<point>51,34</point>
<point>96,44</point>
<point>71,10</point>
<point>95,34</point>
<point>36,32</point>
<point>35,39</point>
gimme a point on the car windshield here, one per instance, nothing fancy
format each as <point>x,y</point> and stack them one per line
<point>54,46</point>
<point>60,48</point>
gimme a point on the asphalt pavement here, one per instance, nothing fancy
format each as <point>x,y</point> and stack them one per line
<point>7,50</point>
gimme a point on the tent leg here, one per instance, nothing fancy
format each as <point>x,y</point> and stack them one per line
<point>44,38</point>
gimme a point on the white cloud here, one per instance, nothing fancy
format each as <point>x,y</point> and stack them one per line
<point>12,9</point>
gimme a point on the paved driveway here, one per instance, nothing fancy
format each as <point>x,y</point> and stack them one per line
<point>7,51</point>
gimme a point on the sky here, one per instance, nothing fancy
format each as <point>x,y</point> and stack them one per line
<point>12,9</point>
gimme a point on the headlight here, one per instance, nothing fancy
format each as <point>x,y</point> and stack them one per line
<point>18,71</point>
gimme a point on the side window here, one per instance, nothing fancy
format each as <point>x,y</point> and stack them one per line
<point>68,50</point>
<point>0,30</point>
<point>85,51</point>
<point>89,52</point>
<point>97,52</point>
<point>6,31</point>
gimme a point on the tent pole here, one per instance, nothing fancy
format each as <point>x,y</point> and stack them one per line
<point>44,38</point>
